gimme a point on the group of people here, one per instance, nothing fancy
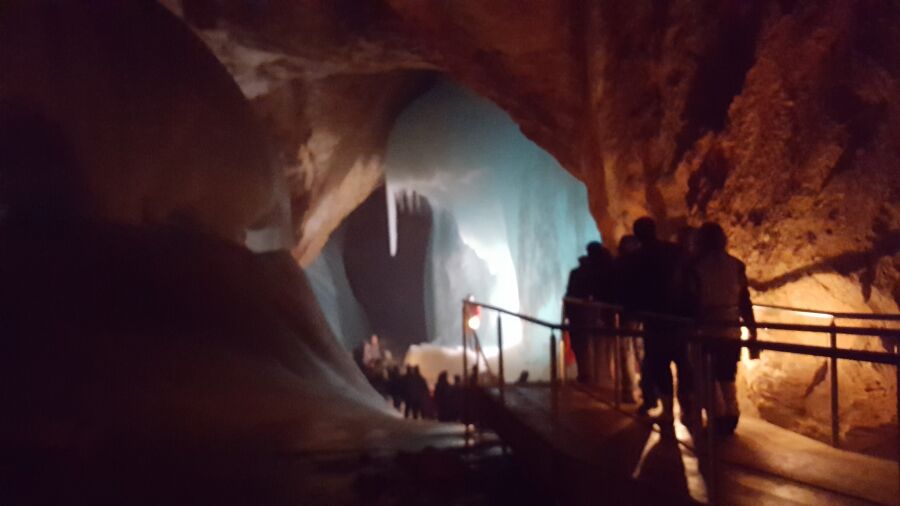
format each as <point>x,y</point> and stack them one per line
<point>408,390</point>
<point>695,281</point>
<point>409,393</point>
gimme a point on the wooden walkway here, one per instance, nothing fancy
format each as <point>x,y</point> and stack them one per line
<point>582,451</point>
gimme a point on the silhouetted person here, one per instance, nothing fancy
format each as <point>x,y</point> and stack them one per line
<point>625,267</point>
<point>443,398</point>
<point>629,295</point>
<point>372,351</point>
<point>405,382</point>
<point>423,394</point>
<point>719,292</point>
<point>416,392</point>
<point>602,285</point>
<point>523,378</point>
<point>655,265</point>
<point>591,281</point>
<point>680,304</point>
<point>456,393</point>
<point>395,386</point>
<point>578,284</point>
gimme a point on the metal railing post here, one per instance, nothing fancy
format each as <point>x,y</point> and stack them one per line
<point>710,381</point>
<point>465,374</point>
<point>617,358</point>
<point>501,380</point>
<point>553,360</point>
<point>592,362</point>
<point>564,376</point>
<point>835,413</point>
<point>554,378</point>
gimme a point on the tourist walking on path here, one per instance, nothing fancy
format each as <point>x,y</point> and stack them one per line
<point>719,293</point>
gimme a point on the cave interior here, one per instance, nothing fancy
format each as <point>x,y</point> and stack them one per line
<point>206,205</point>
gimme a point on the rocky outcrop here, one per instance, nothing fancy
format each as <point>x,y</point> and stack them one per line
<point>147,148</point>
<point>328,101</point>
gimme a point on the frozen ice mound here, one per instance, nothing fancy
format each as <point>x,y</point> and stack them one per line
<point>120,336</point>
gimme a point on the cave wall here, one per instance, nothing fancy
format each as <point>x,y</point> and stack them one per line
<point>329,102</point>
<point>149,151</point>
<point>776,118</point>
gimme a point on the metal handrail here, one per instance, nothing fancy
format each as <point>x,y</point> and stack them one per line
<point>878,357</point>
<point>530,319</point>
<point>892,317</point>
<point>644,315</point>
<point>840,315</point>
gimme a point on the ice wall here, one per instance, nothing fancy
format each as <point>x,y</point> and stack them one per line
<point>328,282</point>
<point>514,207</point>
<point>454,270</point>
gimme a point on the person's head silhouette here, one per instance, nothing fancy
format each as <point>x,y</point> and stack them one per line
<point>711,237</point>
<point>645,229</point>
<point>596,252</point>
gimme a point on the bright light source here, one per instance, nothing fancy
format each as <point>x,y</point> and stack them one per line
<point>749,364</point>
<point>474,322</point>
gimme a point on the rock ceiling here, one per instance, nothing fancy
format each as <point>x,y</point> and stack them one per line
<point>776,119</point>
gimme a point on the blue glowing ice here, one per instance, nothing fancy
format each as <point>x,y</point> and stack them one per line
<point>512,203</point>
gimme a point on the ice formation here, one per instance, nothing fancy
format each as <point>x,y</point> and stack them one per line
<point>524,217</point>
<point>328,281</point>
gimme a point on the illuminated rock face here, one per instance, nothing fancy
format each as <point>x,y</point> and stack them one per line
<point>778,119</point>
<point>329,104</point>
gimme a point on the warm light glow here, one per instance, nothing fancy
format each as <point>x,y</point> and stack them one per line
<point>812,314</point>
<point>505,293</point>
<point>474,322</point>
<point>692,475</point>
<point>808,314</point>
<point>652,440</point>
<point>749,364</point>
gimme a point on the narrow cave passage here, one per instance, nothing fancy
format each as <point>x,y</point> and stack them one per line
<point>469,206</point>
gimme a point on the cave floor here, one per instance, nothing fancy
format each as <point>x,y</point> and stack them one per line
<point>436,464</point>
<point>586,452</point>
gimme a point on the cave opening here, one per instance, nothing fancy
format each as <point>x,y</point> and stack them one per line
<point>469,206</point>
